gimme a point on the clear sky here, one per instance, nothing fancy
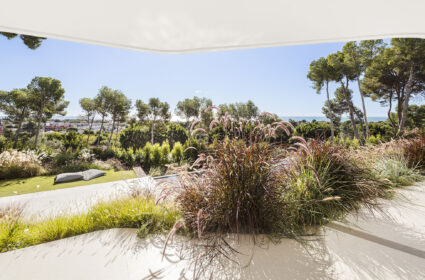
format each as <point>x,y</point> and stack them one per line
<point>274,78</point>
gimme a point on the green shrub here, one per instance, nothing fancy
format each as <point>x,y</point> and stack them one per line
<point>395,168</point>
<point>176,133</point>
<point>4,143</point>
<point>320,130</point>
<point>72,140</point>
<point>147,154</point>
<point>384,129</point>
<point>103,154</point>
<point>155,156</point>
<point>62,159</point>
<point>54,136</point>
<point>192,148</point>
<point>134,137</point>
<point>165,152</point>
<point>177,152</point>
<point>323,182</point>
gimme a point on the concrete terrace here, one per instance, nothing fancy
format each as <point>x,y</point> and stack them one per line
<point>370,245</point>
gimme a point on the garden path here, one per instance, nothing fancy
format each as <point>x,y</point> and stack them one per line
<point>73,200</point>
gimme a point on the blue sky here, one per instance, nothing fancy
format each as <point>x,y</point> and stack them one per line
<point>274,78</point>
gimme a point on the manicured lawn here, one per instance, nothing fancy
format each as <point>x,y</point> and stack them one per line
<point>45,183</point>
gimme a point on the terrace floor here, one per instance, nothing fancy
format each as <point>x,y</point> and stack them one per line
<point>370,245</point>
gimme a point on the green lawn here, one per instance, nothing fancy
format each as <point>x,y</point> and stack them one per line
<point>45,183</point>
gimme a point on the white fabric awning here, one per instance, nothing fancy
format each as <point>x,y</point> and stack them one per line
<point>184,26</point>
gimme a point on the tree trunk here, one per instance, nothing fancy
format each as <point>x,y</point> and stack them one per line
<point>118,133</point>
<point>389,110</point>
<point>112,133</point>
<point>330,112</point>
<point>399,107</point>
<point>37,132</point>
<point>406,100</point>
<point>361,123</point>
<point>364,110</point>
<point>351,109</point>
<point>15,143</point>
<point>89,133</point>
<point>152,127</point>
<point>100,130</point>
<point>21,120</point>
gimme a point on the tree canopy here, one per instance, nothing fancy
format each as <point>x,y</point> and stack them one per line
<point>31,42</point>
<point>47,99</point>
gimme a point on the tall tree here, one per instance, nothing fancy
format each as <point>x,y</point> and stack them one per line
<point>240,110</point>
<point>346,74</point>
<point>143,110</point>
<point>392,76</point>
<point>158,111</point>
<point>16,105</point>
<point>412,54</point>
<point>47,99</point>
<point>358,57</point>
<point>102,102</point>
<point>195,108</point>
<point>339,106</point>
<point>189,109</point>
<point>206,116</point>
<point>89,108</point>
<point>119,108</point>
<point>155,110</point>
<point>31,42</point>
<point>321,74</point>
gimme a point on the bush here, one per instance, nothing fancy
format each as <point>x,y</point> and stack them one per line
<point>176,133</point>
<point>192,148</point>
<point>414,152</point>
<point>54,136</point>
<point>103,154</point>
<point>72,140</point>
<point>134,137</point>
<point>155,156</point>
<point>177,152</point>
<point>62,159</point>
<point>347,142</point>
<point>146,156</point>
<point>4,143</point>
<point>16,164</point>
<point>383,129</point>
<point>239,190</point>
<point>165,152</point>
<point>314,130</point>
<point>323,182</point>
<point>395,168</point>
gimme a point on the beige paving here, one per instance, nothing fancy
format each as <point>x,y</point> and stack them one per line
<point>378,245</point>
<point>118,254</point>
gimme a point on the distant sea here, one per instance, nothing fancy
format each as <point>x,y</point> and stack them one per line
<point>319,118</point>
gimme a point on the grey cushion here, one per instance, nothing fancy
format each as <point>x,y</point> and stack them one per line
<point>92,173</point>
<point>69,177</point>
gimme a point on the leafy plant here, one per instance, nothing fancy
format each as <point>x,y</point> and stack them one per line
<point>177,152</point>
<point>19,164</point>
<point>414,152</point>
